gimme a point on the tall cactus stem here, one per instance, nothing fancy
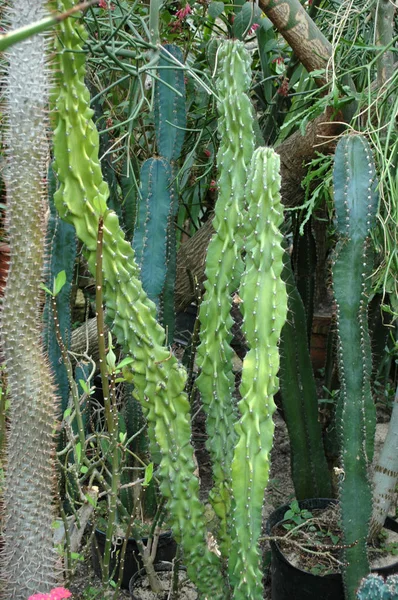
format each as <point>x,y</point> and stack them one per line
<point>28,561</point>
<point>309,467</point>
<point>158,379</point>
<point>356,202</point>
<point>264,308</point>
<point>223,269</point>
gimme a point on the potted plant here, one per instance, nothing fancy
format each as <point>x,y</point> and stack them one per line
<point>356,203</point>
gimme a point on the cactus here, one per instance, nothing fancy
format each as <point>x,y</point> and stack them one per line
<point>223,269</point>
<point>264,304</point>
<point>156,208</point>
<point>300,402</point>
<point>158,379</point>
<point>374,587</point>
<point>356,202</point>
<point>28,559</point>
<point>170,112</point>
<point>61,242</point>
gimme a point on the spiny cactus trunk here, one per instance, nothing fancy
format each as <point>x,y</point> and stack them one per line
<point>28,563</point>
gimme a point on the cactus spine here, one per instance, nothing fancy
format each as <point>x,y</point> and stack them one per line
<point>374,587</point>
<point>158,379</point>
<point>356,202</point>
<point>28,560</point>
<point>264,304</point>
<point>223,269</point>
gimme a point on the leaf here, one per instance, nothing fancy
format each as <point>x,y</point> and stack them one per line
<point>85,387</point>
<point>148,475</point>
<point>59,282</point>
<point>126,361</point>
<point>111,356</point>
<point>215,9</point>
<point>43,287</point>
<point>83,469</point>
<point>91,500</point>
<point>249,14</point>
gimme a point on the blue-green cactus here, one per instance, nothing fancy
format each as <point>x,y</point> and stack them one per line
<point>61,244</point>
<point>155,211</point>
<point>356,202</point>
<point>374,587</point>
<point>300,401</point>
<point>169,106</point>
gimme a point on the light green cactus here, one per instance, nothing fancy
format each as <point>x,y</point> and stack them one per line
<point>158,378</point>
<point>223,269</point>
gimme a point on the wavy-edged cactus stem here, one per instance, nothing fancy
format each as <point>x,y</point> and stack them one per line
<point>223,269</point>
<point>158,379</point>
<point>264,308</point>
<point>28,560</point>
<point>169,105</point>
<point>300,401</point>
<point>374,587</point>
<point>356,202</point>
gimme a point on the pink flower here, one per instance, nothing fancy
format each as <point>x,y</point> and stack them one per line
<point>58,593</point>
<point>213,186</point>
<point>278,60</point>
<point>183,12</point>
<point>254,27</point>
<point>104,4</point>
<point>207,152</point>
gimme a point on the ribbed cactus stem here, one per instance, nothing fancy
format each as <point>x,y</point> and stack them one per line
<point>374,587</point>
<point>223,269</point>
<point>356,202</point>
<point>158,379</point>
<point>28,560</point>
<point>264,308</point>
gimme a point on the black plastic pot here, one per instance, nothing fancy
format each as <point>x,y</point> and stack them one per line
<point>289,582</point>
<point>166,551</point>
<point>159,567</point>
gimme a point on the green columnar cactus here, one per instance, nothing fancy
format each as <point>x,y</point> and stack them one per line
<point>170,111</point>
<point>150,235</point>
<point>61,245</point>
<point>264,304</point>
<point>356,202</point>
<point>374,587</point>
<point>300,401</point>
<point>158,379</point>
<point>223,269</point>
<point>28,559</point>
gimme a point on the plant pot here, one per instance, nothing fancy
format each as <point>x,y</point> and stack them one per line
<point>187,592</point>
<point>166,551</point>
<point>288,581</point>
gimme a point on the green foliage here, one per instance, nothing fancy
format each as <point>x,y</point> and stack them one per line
<point>356,202</point>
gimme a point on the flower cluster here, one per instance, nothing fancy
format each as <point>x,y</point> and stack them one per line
<point>105,4</point>
<point>58,593</point>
